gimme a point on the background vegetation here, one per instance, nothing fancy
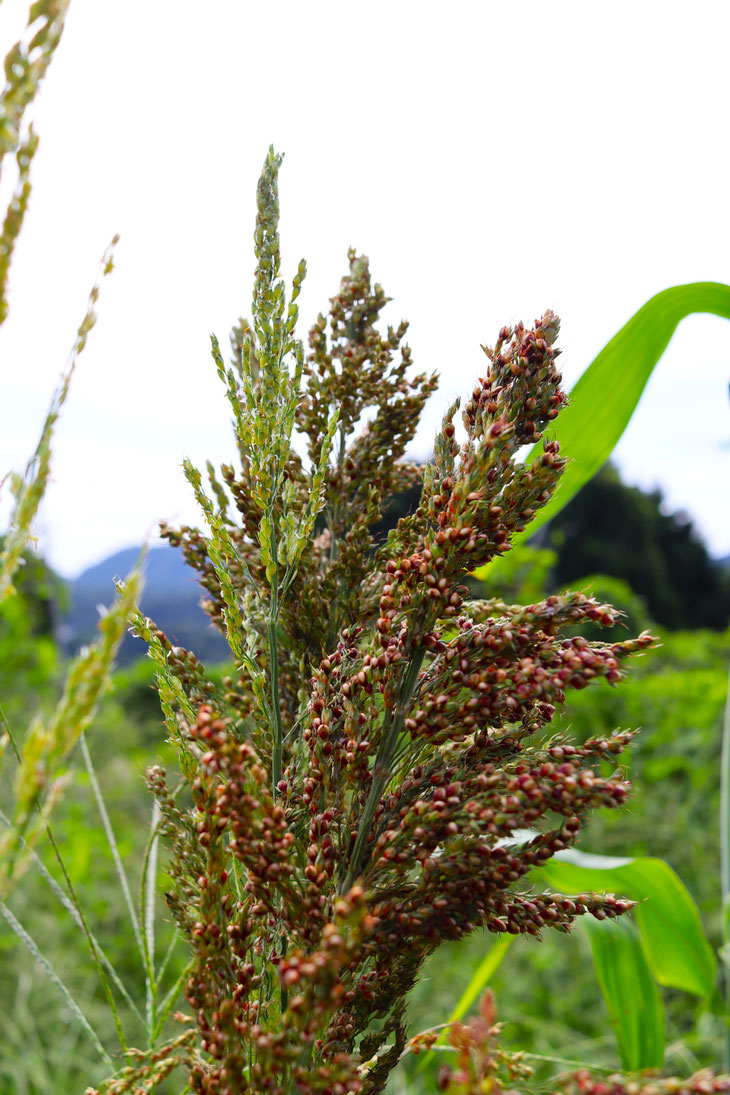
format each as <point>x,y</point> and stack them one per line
<point>547,992</point>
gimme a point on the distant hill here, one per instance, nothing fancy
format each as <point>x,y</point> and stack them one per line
<point>172,593</point>
<point>171,598</point>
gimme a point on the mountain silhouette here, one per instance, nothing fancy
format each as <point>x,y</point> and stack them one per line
<point>171,597</point>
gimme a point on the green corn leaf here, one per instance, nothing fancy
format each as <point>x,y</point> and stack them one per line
<point>672,938</point>
<point>606,395</point>
<point>632,998</point>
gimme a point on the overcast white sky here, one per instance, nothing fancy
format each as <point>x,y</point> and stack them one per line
<point>492,159</point>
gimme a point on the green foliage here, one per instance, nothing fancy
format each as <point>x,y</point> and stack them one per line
<point>29,662</point>
<point>522,575</point>
<point>676,698</point>
<point>631,995</point>
<point>49,741</point>
<point>128,734</point>
<point>670,947</point>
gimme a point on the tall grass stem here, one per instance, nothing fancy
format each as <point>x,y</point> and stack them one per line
<point>111,840</point>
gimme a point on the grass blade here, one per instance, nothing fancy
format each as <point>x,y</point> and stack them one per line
<point>174,939</point>
<point>30,943</point>
<point>111,840</point>
<point>481,977</point>
<point>151,872</point>
<point>169,1001</point>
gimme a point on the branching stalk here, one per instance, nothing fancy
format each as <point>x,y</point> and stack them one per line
<point>394,720</point>
<point>271,624</point>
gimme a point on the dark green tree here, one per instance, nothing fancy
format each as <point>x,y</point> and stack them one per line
<point>619,530</point>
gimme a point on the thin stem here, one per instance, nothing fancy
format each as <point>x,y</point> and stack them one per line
<point>112,845</point>
<point>278,744</point>
<point>333,522</point>
<point>568,1061</point>
<point>147,919</point>
<point>284,990</point>
<point>725,853</point>
<point>271,622</point>
<point>275,705</point>
<point>394,720</point>
<point>168,955</point>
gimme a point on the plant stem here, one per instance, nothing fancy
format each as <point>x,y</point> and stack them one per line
<point>725,855</point>
<point>111,841</point>
<point>392,727</point>
<point>284,990</point>
<point>271,622</point>
<point>147,922</point>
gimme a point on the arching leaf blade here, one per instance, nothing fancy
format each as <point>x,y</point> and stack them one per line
<point>673,940</point>
<point>606,395</point>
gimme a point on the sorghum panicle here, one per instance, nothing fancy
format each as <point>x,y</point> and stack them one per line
<point>360,788</point>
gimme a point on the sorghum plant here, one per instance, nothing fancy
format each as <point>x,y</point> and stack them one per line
<point>360,788</point>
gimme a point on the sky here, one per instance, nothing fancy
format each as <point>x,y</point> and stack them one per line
<point>492,159</point>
